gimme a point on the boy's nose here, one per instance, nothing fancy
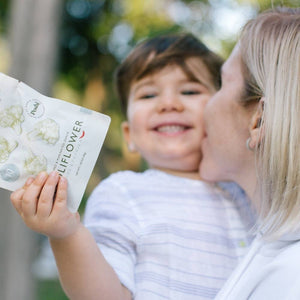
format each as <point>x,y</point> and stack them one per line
<point>169,102</point>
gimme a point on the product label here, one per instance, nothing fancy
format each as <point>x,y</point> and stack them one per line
<point>39,133</point>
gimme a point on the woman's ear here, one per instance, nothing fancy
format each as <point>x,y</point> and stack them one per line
<point>256,126</point>
<point>126,134</point>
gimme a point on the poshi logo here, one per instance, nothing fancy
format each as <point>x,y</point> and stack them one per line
<point>35,108</point>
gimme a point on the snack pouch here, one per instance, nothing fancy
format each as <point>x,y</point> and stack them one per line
<point>39,133</point>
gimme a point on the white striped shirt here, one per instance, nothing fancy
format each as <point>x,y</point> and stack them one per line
<point>168,237</point>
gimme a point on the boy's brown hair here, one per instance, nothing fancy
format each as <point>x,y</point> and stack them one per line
<point>156,53</point>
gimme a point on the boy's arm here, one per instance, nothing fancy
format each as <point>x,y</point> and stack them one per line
<point>84,273</point>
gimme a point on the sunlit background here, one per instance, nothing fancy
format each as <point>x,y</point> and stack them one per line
<point>69,50</point>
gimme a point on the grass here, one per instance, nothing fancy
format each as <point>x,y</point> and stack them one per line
<point>50,290</point>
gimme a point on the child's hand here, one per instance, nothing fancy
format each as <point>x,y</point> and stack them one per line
<point>42,204</point>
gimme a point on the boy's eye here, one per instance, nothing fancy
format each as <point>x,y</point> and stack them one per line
<point>147,96</point>
<point>190,92</point>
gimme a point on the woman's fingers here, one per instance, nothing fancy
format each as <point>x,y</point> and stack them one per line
<point>31,195</point>
<point>46,198</point>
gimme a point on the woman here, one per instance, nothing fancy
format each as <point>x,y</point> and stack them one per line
<point>258,107</point>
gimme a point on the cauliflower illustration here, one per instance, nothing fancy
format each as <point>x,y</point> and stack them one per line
<point>12,117</point>
<point>6,148</point>
<point>46,130</point>
<point>35,164</point>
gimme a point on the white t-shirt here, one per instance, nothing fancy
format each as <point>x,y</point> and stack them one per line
<point>270,270</point>
<point>168,237</point>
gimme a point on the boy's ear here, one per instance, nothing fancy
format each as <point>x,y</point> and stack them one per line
<point>256,126</point>
<point>126,134</point>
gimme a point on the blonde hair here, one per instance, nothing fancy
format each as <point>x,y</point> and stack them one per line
<point>270,50</point>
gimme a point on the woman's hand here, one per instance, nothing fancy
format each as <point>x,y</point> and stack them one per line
<point>42,204</point>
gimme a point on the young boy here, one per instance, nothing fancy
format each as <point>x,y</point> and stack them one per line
<point>163,233</point>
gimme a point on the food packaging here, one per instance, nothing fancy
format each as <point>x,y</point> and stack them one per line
<point>39,133</point>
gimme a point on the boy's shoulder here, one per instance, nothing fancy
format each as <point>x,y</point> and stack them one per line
<point>124,176</point>
<point>150,176</point>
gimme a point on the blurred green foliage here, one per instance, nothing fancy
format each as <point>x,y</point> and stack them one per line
<point>50,290</point>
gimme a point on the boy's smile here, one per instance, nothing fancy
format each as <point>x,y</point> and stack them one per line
<point>165,117</point>
<point>171,128</point>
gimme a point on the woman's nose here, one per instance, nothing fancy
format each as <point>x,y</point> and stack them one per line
<point>169,102</point>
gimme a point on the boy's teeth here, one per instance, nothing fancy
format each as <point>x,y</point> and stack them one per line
<point>171,128</point>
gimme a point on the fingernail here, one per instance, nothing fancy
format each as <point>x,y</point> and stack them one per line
<point>29,181</point>
<point>42,176</point>
<point>63,180</point>
<point>53,174</point>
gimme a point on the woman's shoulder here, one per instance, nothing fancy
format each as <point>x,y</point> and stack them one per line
<point>289,253</point>
<point>285,255</point>
<point>281,275</point>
